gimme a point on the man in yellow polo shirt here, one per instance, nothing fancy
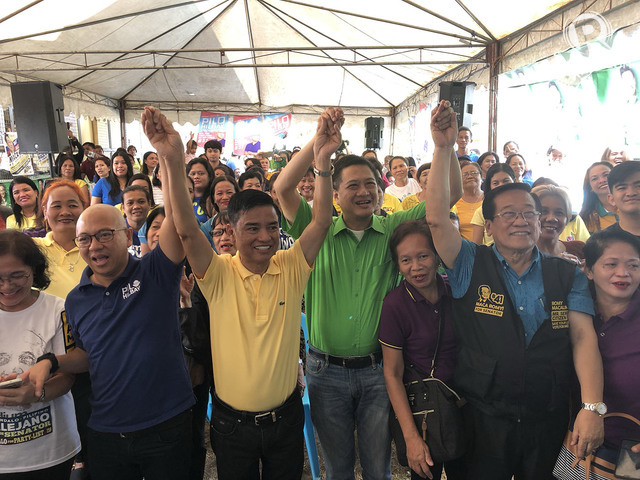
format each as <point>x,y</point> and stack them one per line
<point>254,300</point>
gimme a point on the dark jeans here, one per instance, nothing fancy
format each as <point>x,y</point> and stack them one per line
<point>57,472</point>
<point>240,445</point>
<point>455,469</point>
<point>199,451</point>
<point>161,452</point>
<point>504,448</point>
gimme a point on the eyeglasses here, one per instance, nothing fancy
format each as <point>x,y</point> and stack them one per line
<point>469,174</point>
<point>218,232</point>
<point>16,278</point>
<point>511,217</point>
<point>103,236</point>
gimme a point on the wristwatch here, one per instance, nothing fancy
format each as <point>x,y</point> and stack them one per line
<point>599,407</point>
<point>323,173</point>
<point>52,358</point>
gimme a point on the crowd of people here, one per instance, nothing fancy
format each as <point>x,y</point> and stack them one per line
<point>127,299</point>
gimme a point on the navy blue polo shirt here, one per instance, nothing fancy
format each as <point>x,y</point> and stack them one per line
<point>131,333</point>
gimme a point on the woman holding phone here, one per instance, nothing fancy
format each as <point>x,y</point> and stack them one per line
<point>37,434</point>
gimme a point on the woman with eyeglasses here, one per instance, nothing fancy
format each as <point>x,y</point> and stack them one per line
<point>472,197</point>
<point>38,436</point>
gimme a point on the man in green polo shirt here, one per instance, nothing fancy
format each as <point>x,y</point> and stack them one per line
<point>344,296</point>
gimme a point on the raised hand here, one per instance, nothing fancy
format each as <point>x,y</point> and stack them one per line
<point>444,125</point>
<point>328,135</point>
<point>162,135</point>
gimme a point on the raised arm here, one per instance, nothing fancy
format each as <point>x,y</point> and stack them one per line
<point>170,150</point>
<point>446,237</point>
<point>588,429</point>
<point>294,171</point>
<point>326,141</point>
<point>168,144</point>
<point>455,179</point>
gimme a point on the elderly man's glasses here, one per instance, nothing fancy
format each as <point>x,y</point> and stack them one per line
<point>103,236</point>
<point>510,217</point>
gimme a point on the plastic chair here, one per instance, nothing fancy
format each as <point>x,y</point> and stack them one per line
<point>309,431</point>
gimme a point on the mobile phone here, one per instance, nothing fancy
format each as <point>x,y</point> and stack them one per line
<point>91,154</point>
<point>628,465</point>
<point>15,383</point>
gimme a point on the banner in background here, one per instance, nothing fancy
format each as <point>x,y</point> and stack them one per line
<point>212,126</point>
<point>246,134</point>
<point>278,124</point>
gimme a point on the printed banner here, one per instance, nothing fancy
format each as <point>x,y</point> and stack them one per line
<point>246,134</point>
<point>278,124</point>
<point>212,126</point>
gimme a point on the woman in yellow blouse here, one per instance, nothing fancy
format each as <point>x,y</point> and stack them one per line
<point>68,169</point>
<point>24,203</point>
<point>423,177</point>
<point>472,197</point>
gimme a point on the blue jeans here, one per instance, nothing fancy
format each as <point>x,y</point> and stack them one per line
<point>161,452</point>
<point>343,400</point>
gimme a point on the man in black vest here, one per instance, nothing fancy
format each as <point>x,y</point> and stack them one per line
<point>519,317</point>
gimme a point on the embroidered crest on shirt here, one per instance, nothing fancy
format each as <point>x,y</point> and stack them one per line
<point>559,315</point>
<point>130,288</point>
<point>489,302</point>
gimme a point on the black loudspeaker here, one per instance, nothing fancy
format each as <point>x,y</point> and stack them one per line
<point>460,94</point>
<point>373,132</point>
<point>39,116</point>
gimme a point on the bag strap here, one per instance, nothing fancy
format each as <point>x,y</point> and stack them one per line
<point>435,353</point>
<point>623,415</point>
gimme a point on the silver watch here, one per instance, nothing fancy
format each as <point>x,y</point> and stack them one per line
<point>599,407</point>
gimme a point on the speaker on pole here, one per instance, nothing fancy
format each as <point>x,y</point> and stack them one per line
<point>39,116</point>
<point>373,127</point>
<point>460,94</point>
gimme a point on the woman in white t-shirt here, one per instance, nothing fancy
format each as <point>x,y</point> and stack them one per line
<point>403,186</point>
<point>37,434</point>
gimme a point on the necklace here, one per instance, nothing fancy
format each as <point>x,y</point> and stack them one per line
<point>71,265</point>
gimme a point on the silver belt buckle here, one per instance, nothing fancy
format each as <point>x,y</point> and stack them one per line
<point>265,415</point>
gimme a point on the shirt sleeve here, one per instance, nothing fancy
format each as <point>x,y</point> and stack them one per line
<point>460,275</point>
<point>294,264</point>
<point>97,189</point>
<point>579,298</point>
<point>390,332</point>
<point>478,219</point>
<point>397,218</point>
<point>303,218</point>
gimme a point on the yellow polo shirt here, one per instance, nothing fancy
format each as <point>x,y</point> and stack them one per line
<point>255,328</point>
<point>27,223</point>
<point>65,268</point>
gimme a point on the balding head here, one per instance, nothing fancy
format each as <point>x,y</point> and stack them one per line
<point>107,215</point>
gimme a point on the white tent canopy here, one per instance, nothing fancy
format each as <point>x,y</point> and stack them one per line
<point>251,55</point>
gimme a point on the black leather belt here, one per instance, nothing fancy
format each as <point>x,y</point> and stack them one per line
<point>259,419</point>
<point>349,362</point>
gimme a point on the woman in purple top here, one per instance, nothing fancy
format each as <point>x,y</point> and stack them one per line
<point>612,260</point>
<point>408,334</point>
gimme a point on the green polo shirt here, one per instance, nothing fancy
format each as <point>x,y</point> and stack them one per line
<point>350,279</point>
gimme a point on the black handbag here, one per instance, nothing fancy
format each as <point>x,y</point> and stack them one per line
<point>436,413</point>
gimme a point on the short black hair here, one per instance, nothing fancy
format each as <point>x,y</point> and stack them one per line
<point>622,172</point>
<point>213,144</point>
<point>138,188</point>
<point>92,145</point>
<point>405,229</point>
<point>225,168</point>
<point>245,200</point>
<point>153,214</point>
<point>598,241</point>
<point>488,154</point>
<point>495,168</point>
<point>21,246</point>
<point>489,202</point>
<point>465,129</point>
<point>349,161</point>
<point>251,173</point>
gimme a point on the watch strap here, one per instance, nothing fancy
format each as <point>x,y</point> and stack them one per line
<point>323,173</point>
<point>52,358</point>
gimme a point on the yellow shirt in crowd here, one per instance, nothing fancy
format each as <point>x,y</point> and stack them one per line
<point>255,328</point>
<point>65,268</point>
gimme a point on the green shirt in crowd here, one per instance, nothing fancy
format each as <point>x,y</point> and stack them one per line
<point>349,281</point>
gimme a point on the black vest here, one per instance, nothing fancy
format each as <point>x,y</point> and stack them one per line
<point>496,371</point>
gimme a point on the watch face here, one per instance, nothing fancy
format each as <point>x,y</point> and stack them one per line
<point>601,408</point>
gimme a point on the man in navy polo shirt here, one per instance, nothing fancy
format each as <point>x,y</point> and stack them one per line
<point>124,319</point>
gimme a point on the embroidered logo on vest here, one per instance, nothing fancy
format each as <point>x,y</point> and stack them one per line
<point>489,302</point>
<point>559,315</point>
